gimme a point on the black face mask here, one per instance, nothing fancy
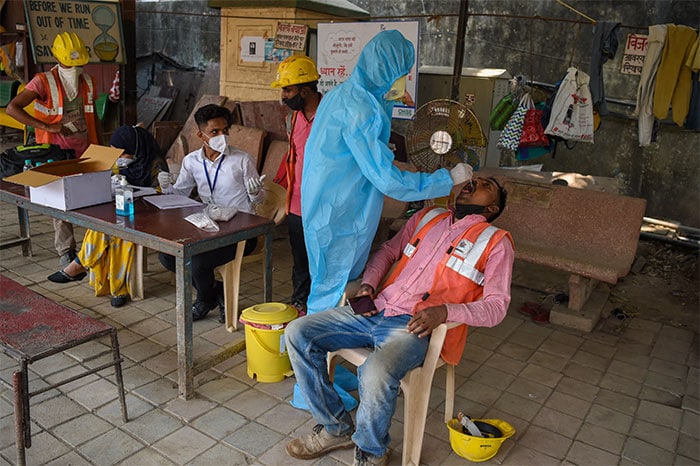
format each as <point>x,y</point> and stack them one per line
<point>462,210</point>
<point>295,103</point>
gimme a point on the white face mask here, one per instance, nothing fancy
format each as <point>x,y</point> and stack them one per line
<point>218,143</point>
<point>70,78</point>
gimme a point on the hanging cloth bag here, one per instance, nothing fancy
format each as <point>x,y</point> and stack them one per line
<point>572,110</point>
<point>510,136</point>
<point>533,131</point>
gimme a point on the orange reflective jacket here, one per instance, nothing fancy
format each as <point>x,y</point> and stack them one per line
<point>459,277</point>
<point>50,111</point>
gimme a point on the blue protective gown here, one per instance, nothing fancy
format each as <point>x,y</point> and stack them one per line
<point>348,169</point>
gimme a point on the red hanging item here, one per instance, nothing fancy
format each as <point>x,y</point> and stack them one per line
<point>533,132</point>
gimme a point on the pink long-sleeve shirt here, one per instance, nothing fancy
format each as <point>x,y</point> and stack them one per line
<point>417,277</point>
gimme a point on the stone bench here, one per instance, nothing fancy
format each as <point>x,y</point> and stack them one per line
<point>591,235</point>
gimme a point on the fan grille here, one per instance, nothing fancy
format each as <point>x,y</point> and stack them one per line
<point>442,134</point>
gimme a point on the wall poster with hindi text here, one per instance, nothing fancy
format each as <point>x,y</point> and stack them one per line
<point>339,45</point>
<point>635,51</point>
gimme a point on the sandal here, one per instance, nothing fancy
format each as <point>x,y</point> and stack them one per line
<point>63,277</point>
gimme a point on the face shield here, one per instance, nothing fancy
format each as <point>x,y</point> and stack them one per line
<point>397,90</point>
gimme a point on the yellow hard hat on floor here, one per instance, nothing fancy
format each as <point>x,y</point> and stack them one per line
<point>477,449</point>
<point>294,70</point>
<point>69,49</point>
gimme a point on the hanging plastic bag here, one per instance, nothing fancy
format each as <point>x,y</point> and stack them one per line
<point>502,112</point>
<point>510,136</point>
<point>572,111</point>
<point>201,220</point>
<point>220,213</point>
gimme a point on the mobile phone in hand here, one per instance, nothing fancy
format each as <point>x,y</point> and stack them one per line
<point>362,304</point>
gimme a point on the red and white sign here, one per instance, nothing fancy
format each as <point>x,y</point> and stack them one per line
<point>635,52</point>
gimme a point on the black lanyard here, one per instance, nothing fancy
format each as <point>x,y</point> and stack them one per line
<point>216,175</point>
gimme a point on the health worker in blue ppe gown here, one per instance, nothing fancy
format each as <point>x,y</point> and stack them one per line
<point>348,168</point>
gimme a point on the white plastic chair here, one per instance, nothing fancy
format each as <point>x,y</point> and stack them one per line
<point>415,385</point>
<point>416,390</point>
<point>272,207</point>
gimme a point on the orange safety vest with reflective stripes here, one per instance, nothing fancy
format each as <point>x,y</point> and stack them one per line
<point>50,111</point>
<point>459,277</point>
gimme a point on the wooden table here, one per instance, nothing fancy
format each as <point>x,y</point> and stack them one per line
<point>165,231</point>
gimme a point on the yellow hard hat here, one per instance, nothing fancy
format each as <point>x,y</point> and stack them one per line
<point>477,449</point>
<point>297,69</point>
<point>69,49</point>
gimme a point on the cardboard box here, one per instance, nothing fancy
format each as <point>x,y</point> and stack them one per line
<point>72,184</point>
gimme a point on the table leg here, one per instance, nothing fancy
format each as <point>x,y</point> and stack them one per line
<point>267,284</point>
<point>23,216</point>
<point>183,316</point>
<point>116,357</point>
<point>20,431</point>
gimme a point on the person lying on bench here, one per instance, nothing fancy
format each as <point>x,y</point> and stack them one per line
<point>452,267</point>
<point>109,258</point>
<point>223,176</point>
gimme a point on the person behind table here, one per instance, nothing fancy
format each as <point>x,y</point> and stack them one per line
<point>433,282</point>
<point>224,176</point>
<point>298,79</point>
<point>109,259</point>
<point>64,114</point>
<point>348,168</point>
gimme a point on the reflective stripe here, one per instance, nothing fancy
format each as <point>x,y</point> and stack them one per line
<point>471,253</point>
<point>429,215</point>
<point>45,110</point>
<point>88,81</point>
<point>55,98</point>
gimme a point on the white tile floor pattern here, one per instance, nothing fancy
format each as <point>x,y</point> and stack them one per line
<point>585,399</point>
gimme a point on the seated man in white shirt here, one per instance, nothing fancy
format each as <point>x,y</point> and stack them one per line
<point>225,176</point>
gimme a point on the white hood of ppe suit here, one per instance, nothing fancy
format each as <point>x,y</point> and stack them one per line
<point>348,169</point>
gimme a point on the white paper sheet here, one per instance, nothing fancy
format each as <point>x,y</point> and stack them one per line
<point>143,191</point>
<point>172,201</point>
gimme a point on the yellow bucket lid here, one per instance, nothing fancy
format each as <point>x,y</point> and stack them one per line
<point>269,313</point>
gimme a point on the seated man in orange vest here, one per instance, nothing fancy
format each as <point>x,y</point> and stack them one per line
<point>64,114</point>
<point>453,266</point>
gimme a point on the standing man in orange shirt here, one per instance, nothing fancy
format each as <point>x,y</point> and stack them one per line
<point>64,114</point>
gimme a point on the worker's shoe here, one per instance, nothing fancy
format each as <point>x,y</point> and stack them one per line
<point>119,301</point>
<point>316,444</point>
<point>200,309</point>
<point>300,307</point>
<point>363,458</point>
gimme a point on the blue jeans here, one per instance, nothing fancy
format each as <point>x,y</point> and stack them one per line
<point>396,352</point>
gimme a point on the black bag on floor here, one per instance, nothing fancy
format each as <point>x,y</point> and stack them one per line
<point>12,160</point>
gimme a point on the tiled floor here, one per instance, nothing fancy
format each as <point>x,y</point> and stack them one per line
<point>601,398</point>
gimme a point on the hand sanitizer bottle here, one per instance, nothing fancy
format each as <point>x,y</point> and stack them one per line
<point>124,199</point>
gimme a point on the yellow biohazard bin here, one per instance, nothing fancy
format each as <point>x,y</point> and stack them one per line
<point>265,348</point>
